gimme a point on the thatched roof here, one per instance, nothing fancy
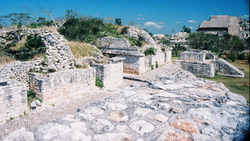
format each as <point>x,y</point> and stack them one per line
<point>216,22</point>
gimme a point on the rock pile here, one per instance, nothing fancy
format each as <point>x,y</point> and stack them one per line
<point>180,107</point>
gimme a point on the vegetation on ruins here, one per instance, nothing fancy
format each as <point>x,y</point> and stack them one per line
<point>177,50</point>
<point>150,51</point>
<point>98,82</point>
<point>32,47</point>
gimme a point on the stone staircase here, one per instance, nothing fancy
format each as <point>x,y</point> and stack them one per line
<point>226,69</point>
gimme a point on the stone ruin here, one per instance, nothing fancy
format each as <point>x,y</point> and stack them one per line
<point>205,63</point>
<point>135,61</point>
<point>67,82</point>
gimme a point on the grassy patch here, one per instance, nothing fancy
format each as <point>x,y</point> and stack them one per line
<point>235,85</point>
<point>80,49</point>
<point>98,82</point>
<point>174,58</point>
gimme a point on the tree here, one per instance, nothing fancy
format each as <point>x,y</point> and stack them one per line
<point>132,23</point>
<point>118,21</point>
<point>186,29</point>
<point>69,14</point>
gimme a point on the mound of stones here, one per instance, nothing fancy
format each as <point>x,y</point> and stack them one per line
<point>176,106</point>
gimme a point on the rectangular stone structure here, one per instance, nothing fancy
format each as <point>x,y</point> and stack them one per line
<point>61,86</point>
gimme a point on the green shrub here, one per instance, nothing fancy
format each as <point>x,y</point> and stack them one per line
<point>241,56</point>
<point>152,67</point>
<point>150,51</point>
<point>51,70</point>
<point>156,64</point>
<point>31,94</point>
<point>233,56</point>
<point>125,29</point>
<point>98,82</point>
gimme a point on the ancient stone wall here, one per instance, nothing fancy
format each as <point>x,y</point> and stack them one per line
<point>61,86</point>
<point>13,99</point>
<point>111,74</point>
<point>198,68</point>
<point>17,70</point>
<point>168,56</point>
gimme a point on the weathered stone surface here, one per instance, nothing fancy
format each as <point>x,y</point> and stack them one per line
<point>211,132</point>
<point>50,130</point>
<point>171,135</point>
<point>93,111</point>
<point>102,125</point>
<point>38,103</point>
<point>33,104</point>
<point>69,119</point>
<point>20,135</point>
<point>86,116</point>
<point>142,111</point>
<point>118,116</point>
<point>141,127</point>
<point>78,135</point>
<point>161,117</point>
<point>113,137</point>
<point>185,126</point>
<point>117,106</point>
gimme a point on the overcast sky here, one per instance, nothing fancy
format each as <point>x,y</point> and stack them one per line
<point>158,16</point>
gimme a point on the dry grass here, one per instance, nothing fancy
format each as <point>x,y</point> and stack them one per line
<point>6,59</point>
<point>79,49</point>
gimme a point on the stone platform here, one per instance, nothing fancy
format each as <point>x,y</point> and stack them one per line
<point>175,106</point>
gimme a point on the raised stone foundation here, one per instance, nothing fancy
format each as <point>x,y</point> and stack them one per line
<point>198,68</point>
<point>13,99</point>
<point>226,69</point>
<point>111,74</point>
<point>61,86</point>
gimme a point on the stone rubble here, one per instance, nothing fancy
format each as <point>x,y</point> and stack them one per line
<point>196,109</point>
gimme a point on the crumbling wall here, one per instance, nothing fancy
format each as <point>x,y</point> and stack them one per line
<point>13,99</point>
<point>111,74</point>
<point>61,86</point>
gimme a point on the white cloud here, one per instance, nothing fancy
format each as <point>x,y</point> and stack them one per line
<point>180,21</point>
<point>97,14</point>
<point>153,24</point>
<point>160,22</point>
<point>191,27</point>
<point>177,22</point>
<point>140,14</point>
<point>140,18</point>
<point>192,21</point>
<point>244,16</point>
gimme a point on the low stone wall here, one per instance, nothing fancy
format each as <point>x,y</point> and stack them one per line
<point>61,86</point>
<point>226,69</point>
<point>192,56</point>
<point>13,99</point>
<point>111,74</point>
<point>198,68</point>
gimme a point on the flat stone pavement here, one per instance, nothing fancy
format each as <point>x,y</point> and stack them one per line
<point>176,106</point>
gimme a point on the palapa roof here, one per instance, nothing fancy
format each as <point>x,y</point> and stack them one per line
<point>216,22</point>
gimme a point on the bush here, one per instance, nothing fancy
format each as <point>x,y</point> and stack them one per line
<point>51,70</point>
<point>98,82</point>
<point>156,64</point>
<point>31,94</point>
<point>152,67</point>
<point>241,56</point>
<point>150,51</point>
<point>233,56</point>
<point>125,29</point>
